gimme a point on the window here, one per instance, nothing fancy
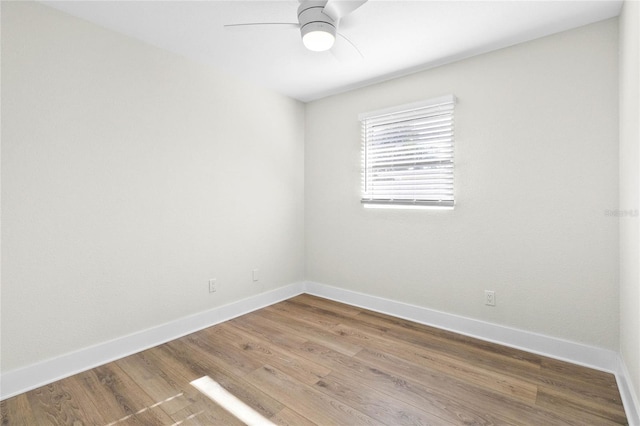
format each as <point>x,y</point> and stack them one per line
<point>407,154</point>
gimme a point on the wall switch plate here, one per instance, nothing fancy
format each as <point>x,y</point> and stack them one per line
<point>212,285</point>
<point>490,298</point>
<point>255,274</point>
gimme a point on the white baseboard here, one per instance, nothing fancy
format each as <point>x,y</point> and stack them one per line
<point>15,382</point>
<point>576,353</point>
<point>589,356</point>
<point>30,377</point>
<point>630,399</point>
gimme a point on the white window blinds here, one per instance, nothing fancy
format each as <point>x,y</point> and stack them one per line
<point>407,154</point>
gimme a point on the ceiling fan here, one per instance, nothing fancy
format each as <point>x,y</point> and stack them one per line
<point>318,22</point>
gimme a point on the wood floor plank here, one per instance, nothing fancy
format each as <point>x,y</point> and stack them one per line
<point>191,363</point>
<point>153,380</point>
<point>16,411</point>
<point>433,396</point>
<point>494,357</point>
<point>322,319</point>
<point>588,398</point>
<point>152,415</point>
<point>206,413</point>
<point>55,405</point>
<point>505,384</point>
<point>288,417</point>
<point>309,360</point>
<point>310,330</point>
<point>484,401</point>
<point>581,381</point>
<point>583,409</point>
<point>434,401</point>
<point>269,331</point>
<point>233,361</point>
<point>326,304</point>
<point>298,307</point>
<point>114,394</point>
<point>75,388</point>
<point>526,367</point>
<point>380,406</point>
<point>471,374</point>
<point>306,401</point>
<point>464,347</point>
<point>266,353</point>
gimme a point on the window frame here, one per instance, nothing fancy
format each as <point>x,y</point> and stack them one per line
<point>434,148</point>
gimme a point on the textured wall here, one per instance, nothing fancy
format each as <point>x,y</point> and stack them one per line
<point>130,176</point>
<point>536,174</point>
<point>629,190</point>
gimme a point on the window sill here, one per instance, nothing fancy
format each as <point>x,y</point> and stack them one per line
<point>405,207</point>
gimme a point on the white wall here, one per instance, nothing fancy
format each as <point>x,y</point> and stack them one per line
<point>130,176</point>
<point>536,170</point>
<point>629,190</point>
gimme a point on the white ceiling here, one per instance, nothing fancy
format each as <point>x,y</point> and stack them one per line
<point>395,37</point>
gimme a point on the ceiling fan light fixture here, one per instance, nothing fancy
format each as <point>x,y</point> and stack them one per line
<point>318,36</point>
<point>318,41</point>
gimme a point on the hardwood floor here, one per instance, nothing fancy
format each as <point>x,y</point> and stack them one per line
<point>310,361</point>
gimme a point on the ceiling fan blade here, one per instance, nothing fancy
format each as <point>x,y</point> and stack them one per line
<point>337,9</point>
<point>345,51</point>
<point>355,48</point>
<point>265,25</point>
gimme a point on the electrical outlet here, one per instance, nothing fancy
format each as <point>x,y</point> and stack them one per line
<point>490,298</point>
<point>213,287</point>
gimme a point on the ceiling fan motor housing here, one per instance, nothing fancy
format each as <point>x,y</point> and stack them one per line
<point>311,18</point>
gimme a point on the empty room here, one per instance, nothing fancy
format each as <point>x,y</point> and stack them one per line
<point>320,212</point>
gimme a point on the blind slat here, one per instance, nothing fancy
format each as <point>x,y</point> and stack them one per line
<point>407,154</point>
<point>386,143</point>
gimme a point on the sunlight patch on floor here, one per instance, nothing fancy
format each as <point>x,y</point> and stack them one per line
<point>188,418</point>
<point>229,402</point>
<point>145,409</point>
